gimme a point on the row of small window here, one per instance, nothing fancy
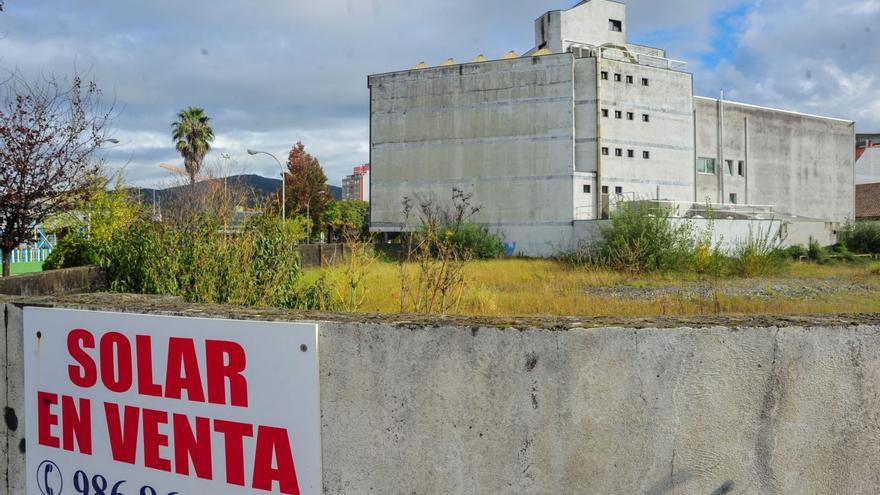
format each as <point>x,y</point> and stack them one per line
<point>588,189</point>
<point>707,166</point>
<point>629,153</point>
<point>629,115</point>
<point>618,77</point>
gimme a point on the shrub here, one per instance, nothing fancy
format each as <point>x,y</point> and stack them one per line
<point>643,237</point>
<point>475,241</point>
<point>759,255</point>
<point>875,268</point>
<point>816,253</point>
<point>72,250</point>
<point>861,237</point>
<point>795,252</point>
<point>202,263</point>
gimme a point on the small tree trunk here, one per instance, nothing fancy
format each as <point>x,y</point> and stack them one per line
<point>7,262</point>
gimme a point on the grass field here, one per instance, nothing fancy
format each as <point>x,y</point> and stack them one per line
<point>32,267</point>
<point>536,287</point>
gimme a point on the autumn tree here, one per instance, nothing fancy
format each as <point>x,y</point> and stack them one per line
<point>307,191</point>
<point>50,131</point>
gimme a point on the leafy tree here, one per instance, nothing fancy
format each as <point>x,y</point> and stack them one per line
<point>342,218</point>
<point>307,191</point>
<point>50,131</point>
<point>193,134</point>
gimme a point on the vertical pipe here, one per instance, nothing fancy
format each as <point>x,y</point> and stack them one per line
<point>598,137</point>
<point>746,157</point>
<point>719,167</point>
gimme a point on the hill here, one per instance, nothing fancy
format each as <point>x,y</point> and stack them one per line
<point>262,187</point>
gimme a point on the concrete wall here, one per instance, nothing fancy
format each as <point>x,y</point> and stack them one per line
<point>868,167</point>
<point>802,165</point>
<point>502,131</point>
<point>668,136</point>
<point>553,406</point>
<point>66,281</point>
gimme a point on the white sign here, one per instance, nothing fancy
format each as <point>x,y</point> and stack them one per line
<point>126,404</point>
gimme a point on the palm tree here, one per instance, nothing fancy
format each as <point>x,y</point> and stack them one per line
<point>193,134</point>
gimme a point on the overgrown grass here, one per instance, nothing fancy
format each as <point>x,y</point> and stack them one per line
<point>546,287</point>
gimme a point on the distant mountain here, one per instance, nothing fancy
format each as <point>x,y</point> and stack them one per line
<point>261,187</point>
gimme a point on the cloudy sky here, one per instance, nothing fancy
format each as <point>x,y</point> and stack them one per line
<point>272,72</point>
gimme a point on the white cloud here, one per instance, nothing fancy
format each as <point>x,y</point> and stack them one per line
<point>278,71</point>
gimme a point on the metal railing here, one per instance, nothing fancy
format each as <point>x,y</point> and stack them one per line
<point>582,50</point>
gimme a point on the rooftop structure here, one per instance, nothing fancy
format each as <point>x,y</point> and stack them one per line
<point>547,143</point>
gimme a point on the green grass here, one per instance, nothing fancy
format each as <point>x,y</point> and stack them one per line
<point>544,287</point>
<point>30,267</point>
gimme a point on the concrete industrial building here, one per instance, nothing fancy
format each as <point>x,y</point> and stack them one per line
<point>547,143</point>
<point>356,187</point>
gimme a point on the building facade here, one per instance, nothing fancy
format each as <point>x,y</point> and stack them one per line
<point>547,143</point>
<point>868,159</point>
<point>356,187</point>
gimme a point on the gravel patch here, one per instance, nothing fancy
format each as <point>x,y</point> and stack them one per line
<point>788,290</point>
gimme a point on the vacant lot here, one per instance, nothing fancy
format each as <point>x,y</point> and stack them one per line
<point>534,287</point>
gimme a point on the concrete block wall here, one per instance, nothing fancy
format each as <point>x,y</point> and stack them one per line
<point>501,131</point>
<point>534,407</point>
<point>66,281</point>
<point>801,164</point>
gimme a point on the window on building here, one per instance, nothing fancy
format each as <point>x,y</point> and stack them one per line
<point>587,189</point>
<point>618,152</point>
<point>741,169</point>
<point>618,114</point>
<point>618,190</point>
<point>604,75</point>
<point>615,25</point>
<point>630,116</point>
<point>706,166</point>
<point>605,151</point>
<point>629,79</point>
<point>604,112</point>
<point>617,78</point>
<point>645,82</point>
<point>646,155</point>
<point>630,153</point>
<point>728,167</point>
<point>733,198</point>
<point>604,189</point>
<point>646,117</point>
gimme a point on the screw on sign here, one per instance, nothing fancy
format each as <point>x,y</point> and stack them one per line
<point>157,413</point>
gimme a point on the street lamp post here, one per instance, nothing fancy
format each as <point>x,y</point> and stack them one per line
<point>283,181</point>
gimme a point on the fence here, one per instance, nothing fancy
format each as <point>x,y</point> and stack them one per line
<point>29,255</point>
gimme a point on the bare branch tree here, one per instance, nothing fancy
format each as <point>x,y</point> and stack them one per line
<point>50,131</point>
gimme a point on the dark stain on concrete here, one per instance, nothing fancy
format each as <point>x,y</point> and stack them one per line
<point>10,418</point>
<point>531,362</point>
<point>767,422</point>
<point>724,489</point>
<point>21,446</point>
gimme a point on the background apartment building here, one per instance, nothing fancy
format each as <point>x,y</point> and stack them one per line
<point>356,187</point>
<point>548,142</point>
